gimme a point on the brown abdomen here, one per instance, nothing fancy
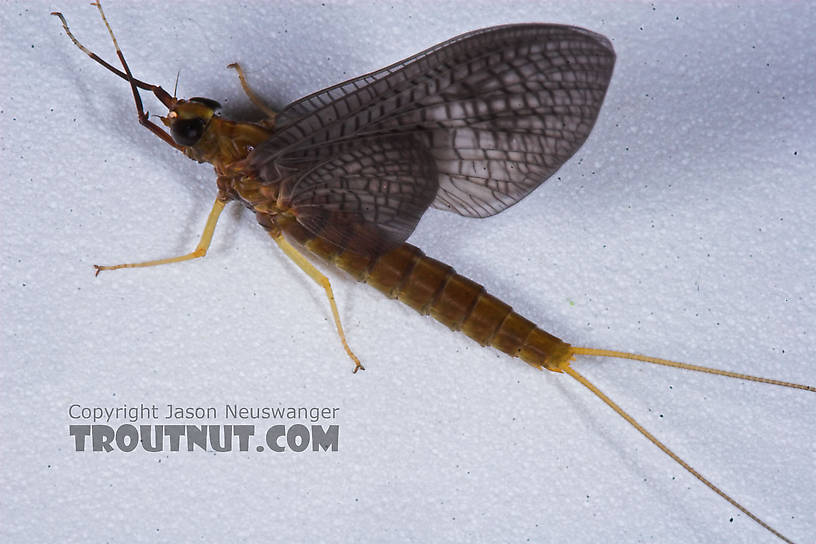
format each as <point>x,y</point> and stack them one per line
<point>434,288</point>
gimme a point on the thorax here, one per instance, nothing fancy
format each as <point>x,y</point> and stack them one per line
<point>226,145</point>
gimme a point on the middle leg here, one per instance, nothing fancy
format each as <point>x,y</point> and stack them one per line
<point>321,280</point>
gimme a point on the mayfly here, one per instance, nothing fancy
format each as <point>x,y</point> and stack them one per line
<point>471,125</point>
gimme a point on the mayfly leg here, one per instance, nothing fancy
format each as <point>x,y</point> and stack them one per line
<point>254,98</point>
<point>135,84</point>
<point>199,251</point>
<point>322,281</point>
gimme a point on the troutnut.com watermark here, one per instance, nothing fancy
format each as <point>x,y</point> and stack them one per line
<point>157,428</point>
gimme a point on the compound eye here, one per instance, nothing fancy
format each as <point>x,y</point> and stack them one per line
<point>187,132</point>
<point>209,102</point>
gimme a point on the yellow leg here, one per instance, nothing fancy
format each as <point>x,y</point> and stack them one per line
<point>270,113</point>
<point>199,251</point>
<point>323,281</point>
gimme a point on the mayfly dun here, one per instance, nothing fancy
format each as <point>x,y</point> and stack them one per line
<point>471,126</point>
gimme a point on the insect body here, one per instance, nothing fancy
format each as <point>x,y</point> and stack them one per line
<point>471,125</point>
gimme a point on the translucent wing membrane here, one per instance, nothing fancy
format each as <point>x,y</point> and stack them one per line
<point>367,195</point>
<point>497,111</point>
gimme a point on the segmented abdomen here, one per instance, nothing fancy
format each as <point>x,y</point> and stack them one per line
<point>434,288</point>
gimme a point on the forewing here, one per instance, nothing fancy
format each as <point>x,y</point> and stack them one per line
<point>498,110</point>
<point>366,195</point>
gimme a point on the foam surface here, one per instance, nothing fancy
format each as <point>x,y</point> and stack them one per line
<point>683,228</point>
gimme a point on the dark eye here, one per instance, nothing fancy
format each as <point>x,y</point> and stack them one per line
<point>187,131</point>
<point>209,102</point>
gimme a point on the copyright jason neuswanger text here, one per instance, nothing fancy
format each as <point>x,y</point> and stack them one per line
<point>111,428</point>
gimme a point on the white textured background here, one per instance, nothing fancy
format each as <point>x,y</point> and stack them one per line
<point>684,228</point>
